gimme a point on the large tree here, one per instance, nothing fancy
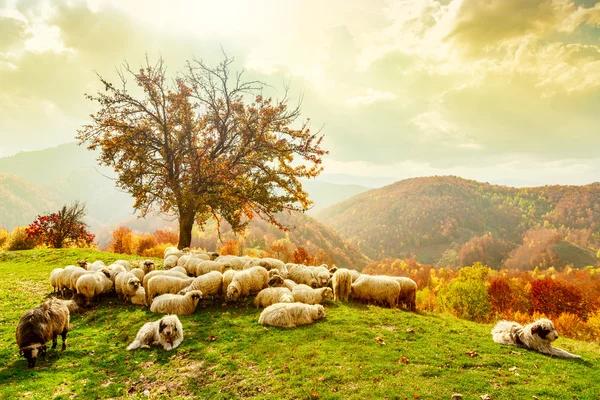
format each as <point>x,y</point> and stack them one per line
<point>203,144</point>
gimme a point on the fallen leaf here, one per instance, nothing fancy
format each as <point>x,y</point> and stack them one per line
<point>380,341</point>
<point>416,396</point>
<point>410,330</point>
<point>515,352</point>
<point>456,396</point>
<point>485,397</point>
<point>315,394</point>
<point>471,353</point>
<point>212,338</point>
<point>536,367</point>
<point>513,369</point>
<point>403,360</point>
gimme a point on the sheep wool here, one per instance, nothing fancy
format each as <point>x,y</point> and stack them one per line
<point>408,292</point>
<point>310,295</point>
<point>162,284</point>
<point>290,315</point>
<point>139,273</point>
<point>247,282</point>
<point>210,284</point>
<point>176,303</point>
<point>94,284</point>
<point>169,272</point>
<point>342,284</point>
<point>139,298</point>
<point>302,274</point>
<point>126,285</point>
<point>380,289</point>
<point>273,295</point>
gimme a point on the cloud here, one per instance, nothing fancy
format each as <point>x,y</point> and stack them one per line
<point>370,97</point>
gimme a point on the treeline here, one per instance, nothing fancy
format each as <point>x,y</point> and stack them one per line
<point>424,217</point>
<point>569,296</point>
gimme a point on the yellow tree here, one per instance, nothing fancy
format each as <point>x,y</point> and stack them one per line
<point>204,144</point>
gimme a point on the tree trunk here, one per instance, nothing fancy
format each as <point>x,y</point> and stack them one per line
<point>186,223</point>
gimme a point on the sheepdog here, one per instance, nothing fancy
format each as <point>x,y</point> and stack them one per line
<point>537,336</point>
<point>166,332</point>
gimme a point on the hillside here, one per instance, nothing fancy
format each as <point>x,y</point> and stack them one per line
<point>22,201</point>
<point>355,352</point>
<point>427,216</point>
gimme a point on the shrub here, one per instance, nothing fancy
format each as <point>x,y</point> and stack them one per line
<point>554,298</point>
<point>169,237</point>
<point>467,295</point>
<point>4,235</point>
<point>500,295</point>
<point>19,240</point>
<point>144,243</point>
<point>65,227</point>
<point>230,247</point>
<point>157,251</point>
<point>570,325</point>
<point>123,241</point>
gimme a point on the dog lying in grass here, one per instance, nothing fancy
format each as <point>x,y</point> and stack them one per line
<point>166,332</point>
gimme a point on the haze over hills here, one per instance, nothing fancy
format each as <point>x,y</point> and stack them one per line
<point>426,217</point>
<point>39,182</point>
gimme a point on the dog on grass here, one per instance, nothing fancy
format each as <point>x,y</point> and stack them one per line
<point>537,336</point>
<point>166,332</point>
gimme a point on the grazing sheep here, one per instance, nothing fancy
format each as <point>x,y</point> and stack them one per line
<point>78,273</point>
<point>256,262</point>
<point>170,261</point>
<point>290,284</point>
<point>200,254</point>
<point>167,332</point>
<point>84,264</point>
<point>176,303</point>
<point>311,296</point>
<point>139,273</point>
<point>114,270</point>
<point>171,252</point>
<point>290,315</point>
<point>97,265</point>
<point>75,305</point>
<point>139,298</point>
<point>321,275</point>
<point>276,281</point>
<point>55,280</point>
<point>380,289</point>
<point>272,295</point>
<point>126,285</point>
<point>302,274</point>
<point>227,278</point>
<point>94,284</point>
<point>162,284</point>
<point>247,282</point>
<point>342,284</point>
<point>210,284</point>
<point>124,263</point>
<point>169,272</point>
<point>537,336</point>
<point>197,266</point>
<point>235,262</point>
<point>170,249</point>
<point>408,292</point>
<point>39,325</point>
<point>147,266</point>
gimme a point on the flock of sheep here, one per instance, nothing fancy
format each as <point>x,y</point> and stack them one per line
<point>290,293</point>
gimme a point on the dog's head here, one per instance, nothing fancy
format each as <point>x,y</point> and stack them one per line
<point>32,352</point>
<point>544,329</point>
<point>167,328</point>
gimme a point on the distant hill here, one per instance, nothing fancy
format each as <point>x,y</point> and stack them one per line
<point>37,182</point>
<point>425,217</point>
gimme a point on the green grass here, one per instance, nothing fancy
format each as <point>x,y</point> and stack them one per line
<point>356,352</point>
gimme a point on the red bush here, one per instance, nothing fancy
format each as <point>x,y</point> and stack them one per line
<point>553,298</point>
<point>500,295</point>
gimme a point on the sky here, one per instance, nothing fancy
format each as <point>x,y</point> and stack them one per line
<point>501,91</point>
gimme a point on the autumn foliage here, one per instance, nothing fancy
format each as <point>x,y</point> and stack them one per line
<point>62,228</point>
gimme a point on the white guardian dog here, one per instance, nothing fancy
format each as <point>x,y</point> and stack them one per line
<point>537,336</point>
<point>166,332</point>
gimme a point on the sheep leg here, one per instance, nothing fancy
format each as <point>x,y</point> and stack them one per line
<point>54,341</point>
<point>64,339</point>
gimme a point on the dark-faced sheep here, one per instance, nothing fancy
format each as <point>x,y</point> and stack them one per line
<point>39,325</point>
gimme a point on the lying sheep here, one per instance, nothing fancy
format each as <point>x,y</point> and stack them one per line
<point>169,272</point>
<point>290,284</point>
<point>126,285</point>
<point>301,274</point>
<point>210,284</point>
<point>342,284</point>
<point>139,298</point>
<point>39,325</point>
<point>176,304</point>
<point>272,295</point>
<point>311,296</point>
<point>139,273</point>
<point>247,282</point>
<point>162,284</point>
<point>380,289</point>
<point>94,284</point>
<point>124,263</point>
<point>408,293</point>
<point>290,315</point>
<point>276,281</point>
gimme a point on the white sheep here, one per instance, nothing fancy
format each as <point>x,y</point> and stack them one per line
<point>176,304</point>
<point>162,284</point>
<point>55,280</point>
<point>290,284</point>
<point>168,272</point>
<point>126,285</point>
<point>308,295</point>
<point>342,284</point>
<point>272,295</point>
<point>290,315</point>
<point>198,266</point>
<point>276,281</point>
<point>97,265</point>
<point>114,270</point>
<point>321,275</point>
<point>139,273</point>
<point>147,266</point>
<point>235,262</point>
<point>210,284</point>
<point>124,263</point>
<point>76,273</point>
<point>227,278</point>
<point>93,284</point>
<point>139,298</point>
<point>408,293</point>
<point>247,282</point>
<point>170,261</point>
<point>380,289</point>
<point>302,274</point>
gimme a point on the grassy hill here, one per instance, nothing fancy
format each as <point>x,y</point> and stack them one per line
<point>426,216</point>
<point>356,352</point>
